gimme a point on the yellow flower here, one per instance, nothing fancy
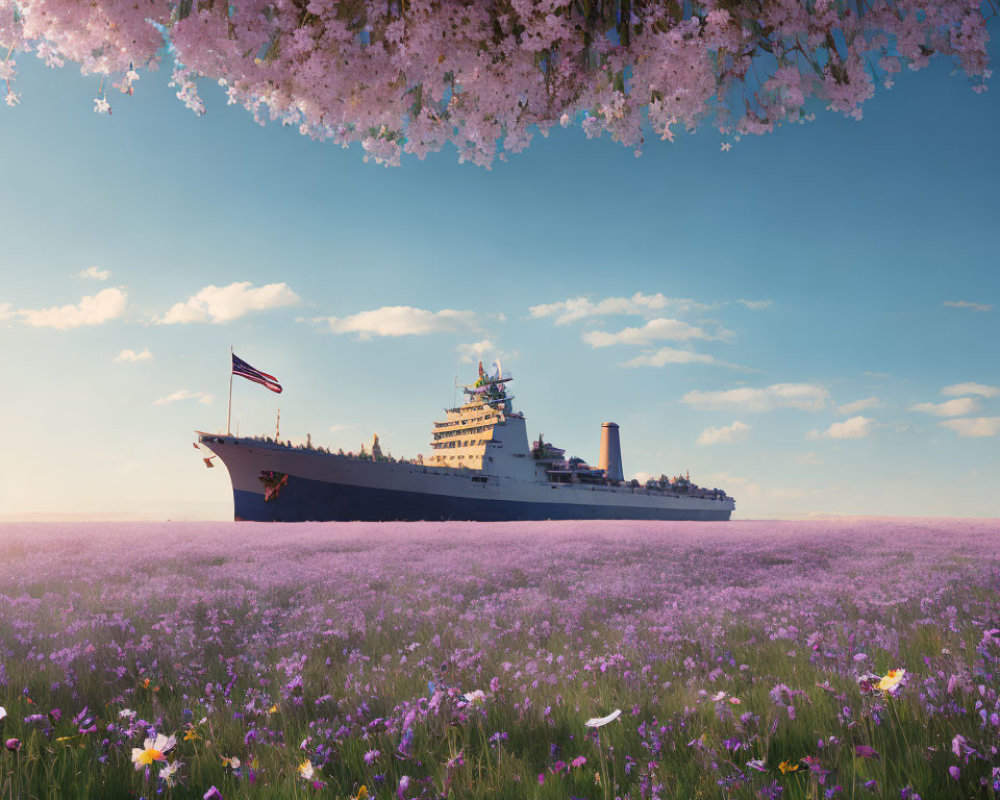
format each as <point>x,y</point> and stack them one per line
<point>306,770</point>
<point>232,763</point>
<point>273,709</point>
<point>152,750</point>
<point>362,793</point>
<point>785,766</point>
<point>190,735</point>
<point>891,680</point>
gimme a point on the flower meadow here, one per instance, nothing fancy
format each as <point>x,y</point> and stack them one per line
<point>598,660</point>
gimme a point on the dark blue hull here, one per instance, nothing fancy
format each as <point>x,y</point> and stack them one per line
<point>304,500</point>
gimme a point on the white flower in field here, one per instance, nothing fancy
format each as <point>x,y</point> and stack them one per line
<point>306,770</point>
<point>232,763</point>
<point>169,773</point>
<point>153,750</point>
<point>478,696</point>
<point>126,712</point>
<point>715,698</point>
<point>597,722</point>
<point>3,713</point>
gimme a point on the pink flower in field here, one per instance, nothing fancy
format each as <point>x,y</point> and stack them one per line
<point>212,794</point>
<point>541,778</point>
<point>955,772</point>
<point>404,784</point>
<point>495,685</point>
<point>370,756</point>
<point>579,761</point>
<point>13,745</point>
<point>865,751</point>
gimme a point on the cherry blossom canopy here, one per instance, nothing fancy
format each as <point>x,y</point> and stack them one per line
<point>408,76</point>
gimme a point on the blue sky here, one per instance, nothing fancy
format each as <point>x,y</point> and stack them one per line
<point>848,238</point>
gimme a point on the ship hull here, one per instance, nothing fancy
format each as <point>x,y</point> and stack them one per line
<point>304,500</point>
<point>276,483</point>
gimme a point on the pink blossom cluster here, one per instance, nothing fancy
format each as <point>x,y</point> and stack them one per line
<point>408,76</point>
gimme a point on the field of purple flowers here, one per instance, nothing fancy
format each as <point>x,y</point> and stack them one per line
<point>748,660</point>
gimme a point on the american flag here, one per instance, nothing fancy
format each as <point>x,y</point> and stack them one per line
<point>244,370</point>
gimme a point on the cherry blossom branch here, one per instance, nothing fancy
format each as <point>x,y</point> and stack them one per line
<point>407,77</point>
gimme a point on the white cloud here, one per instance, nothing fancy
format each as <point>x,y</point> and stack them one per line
<point>949,408</point>
<point>577,308</point>
<point>669,355</point>
<point>671,329</point>
<point>404,321</point>
<point>973,426</point>
<point>96,273</point>
<point>340,427</point>
<point>810,459</point>
<point>184,394</point>
<point>130,356</point>
<point>475,351</point>
<point>728,434</point>
<point>853,428</point>
<point>967,304</point>
<point>106,305</point>
<point>7,311</point>
<point>806,396</point>
<point>756,305</point>
<point>220,304</point>
<point>858,405</point>
<point>971,388</point>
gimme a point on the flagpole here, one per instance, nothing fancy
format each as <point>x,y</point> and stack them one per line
<point>229,414</point>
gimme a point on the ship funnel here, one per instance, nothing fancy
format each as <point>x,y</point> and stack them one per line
<point>610,459</point>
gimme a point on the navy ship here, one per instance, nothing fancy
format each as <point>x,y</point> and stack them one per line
<point>480,468</point>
